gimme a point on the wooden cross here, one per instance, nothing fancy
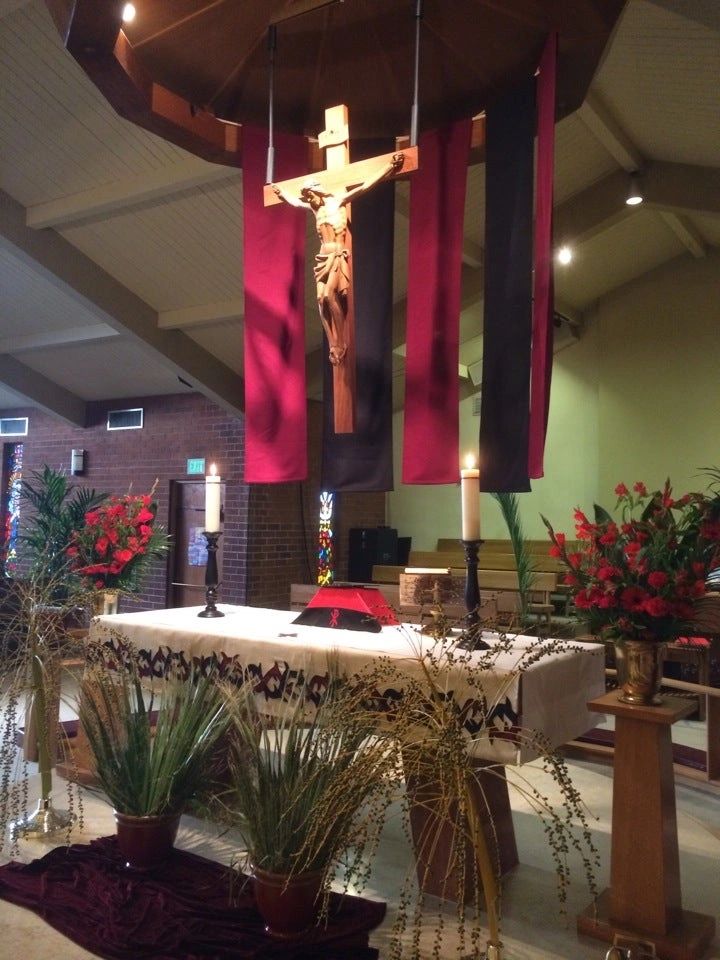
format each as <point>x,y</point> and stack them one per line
<point>328,194</point>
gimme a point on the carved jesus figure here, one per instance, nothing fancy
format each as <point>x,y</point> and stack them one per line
<point>332,270</point>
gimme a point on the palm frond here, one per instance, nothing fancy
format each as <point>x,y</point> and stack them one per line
<point>510,509</point>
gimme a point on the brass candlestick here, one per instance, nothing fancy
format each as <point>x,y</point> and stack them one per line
<point>211,575</point>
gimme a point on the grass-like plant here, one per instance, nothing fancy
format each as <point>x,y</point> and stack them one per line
<point>151,759</point>
<point>36,640</point>
<point>309,784</point>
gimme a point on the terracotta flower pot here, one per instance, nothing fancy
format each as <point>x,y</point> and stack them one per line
<point>640,670</point>
<point>146,842</point>
<point>289,907</point>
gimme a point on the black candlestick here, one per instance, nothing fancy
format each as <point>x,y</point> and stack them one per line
<point>211,575</point>
<point>472,595</point>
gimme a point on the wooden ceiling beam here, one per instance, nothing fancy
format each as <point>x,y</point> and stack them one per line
<point>63,265</point>
<point>202,315</point>
<point>56,338</point>
<point>686,233</point>
<point>608,132</point>
<point>126,192</point>
<point>42,392</point>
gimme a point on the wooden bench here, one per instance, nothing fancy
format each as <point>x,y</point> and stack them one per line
<point>502,583</point>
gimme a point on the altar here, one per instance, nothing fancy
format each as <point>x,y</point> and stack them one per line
<point>266,648</point>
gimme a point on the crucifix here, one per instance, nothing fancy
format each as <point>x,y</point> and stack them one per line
<point>328,195</point>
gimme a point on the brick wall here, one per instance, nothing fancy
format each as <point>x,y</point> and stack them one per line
<point>270,530</point>
<point>284,523</point>
<point>175,428</point>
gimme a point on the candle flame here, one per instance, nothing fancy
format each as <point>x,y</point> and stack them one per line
<point>213,470</point>
<point>469,461</point>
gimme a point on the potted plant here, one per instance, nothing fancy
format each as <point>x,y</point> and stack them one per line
<point>309,783</point>
<point>150,760</point>
<point>114,545</point>
<point>637,578</point>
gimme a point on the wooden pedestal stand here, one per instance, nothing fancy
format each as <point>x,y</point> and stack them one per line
<point>643,901</point>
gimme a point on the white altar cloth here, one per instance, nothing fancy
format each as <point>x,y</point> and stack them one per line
<point>549,696</point>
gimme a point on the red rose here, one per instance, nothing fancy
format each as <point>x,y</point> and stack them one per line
<point>621,490</point>
<point>657,579</point>
<point>122,556</point>
<point>145,516</point>
<point>640,488</point>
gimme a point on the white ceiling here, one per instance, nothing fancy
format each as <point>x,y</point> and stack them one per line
<point>126,267</point>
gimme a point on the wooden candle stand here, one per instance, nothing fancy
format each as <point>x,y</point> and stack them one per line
<point>643,901</point>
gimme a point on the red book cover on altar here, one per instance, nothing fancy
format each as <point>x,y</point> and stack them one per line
<point>348,607</point>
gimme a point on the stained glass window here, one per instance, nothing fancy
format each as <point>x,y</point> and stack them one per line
<point>326,560</point>
<point>11,503</point>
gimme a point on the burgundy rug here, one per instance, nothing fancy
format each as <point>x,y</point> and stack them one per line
<point>180,912</point>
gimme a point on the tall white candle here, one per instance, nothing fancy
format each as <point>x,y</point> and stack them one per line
<point>212,500</point>
<point>470,498</point>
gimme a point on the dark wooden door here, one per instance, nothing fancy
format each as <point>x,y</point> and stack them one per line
<point>186,583</point>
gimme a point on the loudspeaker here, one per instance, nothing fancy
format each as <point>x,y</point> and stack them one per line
<point>368,546</point>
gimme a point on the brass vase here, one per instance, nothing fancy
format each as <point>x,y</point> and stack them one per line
<point>640,671</point>
<point>105,602</point>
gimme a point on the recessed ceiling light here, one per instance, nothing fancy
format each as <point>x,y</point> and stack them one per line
<point>564,255</point>
<point>128,13</point>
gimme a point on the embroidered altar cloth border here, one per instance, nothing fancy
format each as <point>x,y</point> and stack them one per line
<point>267,648</point>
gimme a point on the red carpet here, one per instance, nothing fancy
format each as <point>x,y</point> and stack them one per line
<point>180,912</point>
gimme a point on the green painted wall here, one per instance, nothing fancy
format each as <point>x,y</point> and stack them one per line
<point>428,513</point>
<point>659,401</point>
<point>638,398</point>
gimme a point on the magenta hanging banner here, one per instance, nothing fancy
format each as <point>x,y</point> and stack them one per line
<point>437,204</point>
<point>543,294</point>
<point>274,281</point>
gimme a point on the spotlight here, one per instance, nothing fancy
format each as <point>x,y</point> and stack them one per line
<point>634,196</point>
<point>128,13</point>
<point>564,255</point>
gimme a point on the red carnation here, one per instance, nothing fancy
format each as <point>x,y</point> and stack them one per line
<point>657,579</point>
<point>633,598</point>
<point>610,536</point>
<point>656,607</point>
<point>607,572</point>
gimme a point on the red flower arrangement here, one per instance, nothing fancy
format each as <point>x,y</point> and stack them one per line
<point>638,577</point>
<point>116,543</point>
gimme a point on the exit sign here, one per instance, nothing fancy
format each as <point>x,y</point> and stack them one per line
<point>196,466</point>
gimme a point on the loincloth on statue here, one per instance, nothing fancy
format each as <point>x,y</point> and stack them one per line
<point>333,261</point>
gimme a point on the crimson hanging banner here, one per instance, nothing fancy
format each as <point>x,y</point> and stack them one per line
<point>274,282</point>
<point>504,416</point>
<point>543,294</point>
<point>437,204</point>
